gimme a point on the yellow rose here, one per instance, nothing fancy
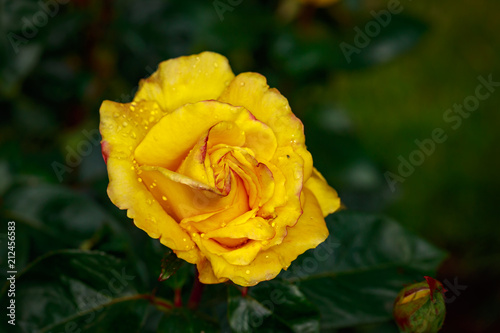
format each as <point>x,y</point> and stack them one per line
<point>215,166</point>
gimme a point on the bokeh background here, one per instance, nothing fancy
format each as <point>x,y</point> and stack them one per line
<point>361,116</point>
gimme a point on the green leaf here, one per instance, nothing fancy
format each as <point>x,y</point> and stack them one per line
<point>78,289</point>
<point>185,321</point>
<point>272,306</point>
<point>62,217</point>
<point>169,265</point>
<point>121,315</point>
<point>355,275</point>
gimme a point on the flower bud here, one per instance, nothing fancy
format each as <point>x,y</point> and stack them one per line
<point>420,307</point>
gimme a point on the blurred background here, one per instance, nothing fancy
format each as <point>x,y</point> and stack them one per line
<point>372,81</point>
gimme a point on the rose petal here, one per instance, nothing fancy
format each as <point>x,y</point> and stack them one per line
<point>327,197</point>
<point>180,195</point>
<point>171,139</point>
<point>234,205</point>
<point>251,91</point>
<point>309,231</point>
<point>126,192</point>
<point>187,79</point>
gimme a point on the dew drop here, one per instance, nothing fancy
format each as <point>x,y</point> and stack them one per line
<point>216,64</point>
<point>124,124</point>
<point>273,224</point>
<point>134,135</point>
<point>247,271</point>
<point>184,239</point>
<point>116,115</point>
<point>139,179</point>
<point>202,235</point>
<point>164,198</point>
<point>242,84</point>
<point>149,201</point>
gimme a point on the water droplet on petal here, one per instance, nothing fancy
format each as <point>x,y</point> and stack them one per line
<point>124,124</point>
<point>216,64</point>
<point>242,83</point>
<point>164,198</point>
<point>116,115</point>
<point>139,179</point>
<point>247,271</point>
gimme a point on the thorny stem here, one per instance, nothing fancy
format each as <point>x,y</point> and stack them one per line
<point>196,292</point>
<point>178,298</point>
<point>153,300</point>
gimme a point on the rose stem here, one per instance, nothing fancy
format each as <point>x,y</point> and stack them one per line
<point>196,292</point>
<point>244,291</point>
<point>178,298</point>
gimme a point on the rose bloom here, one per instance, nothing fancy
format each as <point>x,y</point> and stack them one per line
<point>215,166</point>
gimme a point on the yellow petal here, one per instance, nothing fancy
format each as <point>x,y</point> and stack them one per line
<point>251,91</point>
<point>327,197</point>
<point>243,255</point>
<point>309,231</point>
<point>287,205</point>
<point>179,195</point>
<point>126,192</point>
<point>122,128</point>
<point>229,208</point>
<point>187,79</point>
<point>255,228</point>
<point>171,139</point>
<point>206,273</point>
<point>122,125</point>
<point>197,166</point>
